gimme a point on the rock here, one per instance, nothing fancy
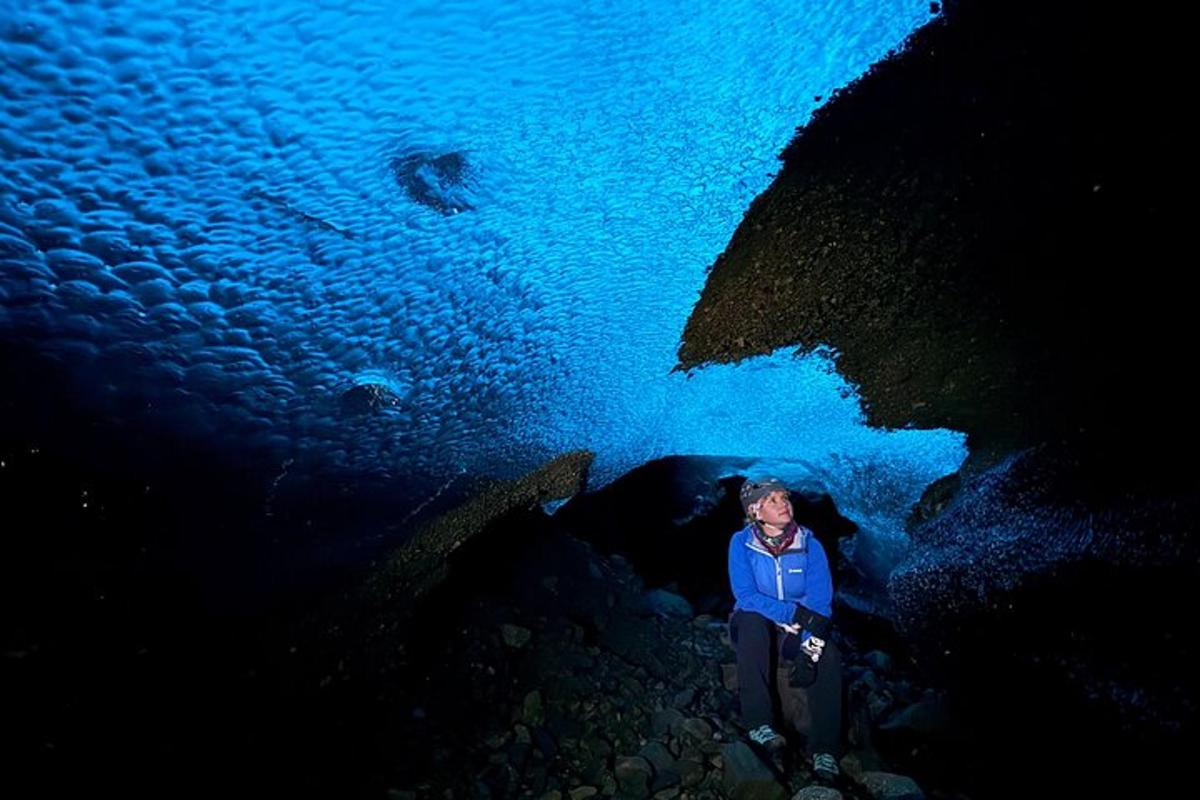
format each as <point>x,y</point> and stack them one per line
<point>889,786</point>
<point>658,756</point>
<point>878,704</point>
<point>667,794</point>
<point>746,777</point>
<point>929,715</point>
<point>879,661</point>
<point>563,726</point>
<point>497,740</point>
<point>552,794</point>
<point>499,779</point>
<point>545,743</point>
<point>729,677</point>
<point>637,641</point>
<point>871,680</point>
<point>531,709</point>
<point>711,746</point>
<point>514,635</point>
<point>666,604</point>
<point>793,702</point>
<point>535,778</point>
<point>690,772</point>
<point>597,746</point>
<point>633,774</point>
<point>724,636</point>
<point>518,754</point>
<point>860,762</point>
<point>583,792</point>
<point>664,779</point>
<point>698,729</point>
<point>817,793</point>
<point>594,771</point>
<point>683,699</point>
<point>668,720</point>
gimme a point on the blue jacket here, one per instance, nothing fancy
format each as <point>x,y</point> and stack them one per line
<point>773,586</point>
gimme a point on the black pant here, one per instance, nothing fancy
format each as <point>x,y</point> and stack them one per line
<point>761,646</point>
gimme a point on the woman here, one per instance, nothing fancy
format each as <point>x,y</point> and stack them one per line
<point>783,606</point>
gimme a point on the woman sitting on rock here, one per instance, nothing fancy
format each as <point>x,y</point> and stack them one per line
<point>783,594</point>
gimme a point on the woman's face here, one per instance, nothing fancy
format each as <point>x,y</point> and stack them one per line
<point>775,509</point>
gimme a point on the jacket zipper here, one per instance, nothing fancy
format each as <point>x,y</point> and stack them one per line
<point>778,565</point>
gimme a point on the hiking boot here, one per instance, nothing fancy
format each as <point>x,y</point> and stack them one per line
<point>825,766</point>
<point>765,736</point>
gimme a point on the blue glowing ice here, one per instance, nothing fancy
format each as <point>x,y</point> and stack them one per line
<point>427,239</point>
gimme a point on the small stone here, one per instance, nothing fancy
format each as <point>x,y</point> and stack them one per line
<point>597,746</point>
<point>633,774</point>
<point>889,786</point>
<point>698,729</point>
<point>746,776</point>
<point>668,720</point>
<point>663,603</point>
<point>658,755</point>
<point>930,715</point>
<point>514,635</point>
<point>583,792</point>
<point>878,704</point>
<point>871,680</point>
<point>817,793</point>
<point>729,677</point>
<point>690,772</point>
<point>879,661</point>
<point>683,699</point>
<point>531,709</point>
<point>518,754</point>
<point>545,743</point>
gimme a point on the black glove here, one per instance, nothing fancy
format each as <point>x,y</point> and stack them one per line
<point>816,624</point>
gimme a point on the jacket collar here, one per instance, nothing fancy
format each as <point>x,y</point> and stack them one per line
<point>799,544</point>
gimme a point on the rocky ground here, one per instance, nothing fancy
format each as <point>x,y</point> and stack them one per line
<point>544,669</point>
<point>537,662</point>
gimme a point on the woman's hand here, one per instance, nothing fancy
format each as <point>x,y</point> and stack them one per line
<point>813,648</point>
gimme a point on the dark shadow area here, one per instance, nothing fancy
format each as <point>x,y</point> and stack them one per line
<point>672,519</point>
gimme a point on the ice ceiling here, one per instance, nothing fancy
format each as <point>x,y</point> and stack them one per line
<point>426,240</point>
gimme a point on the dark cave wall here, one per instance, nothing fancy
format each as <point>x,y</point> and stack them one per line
<point>982,226</point>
